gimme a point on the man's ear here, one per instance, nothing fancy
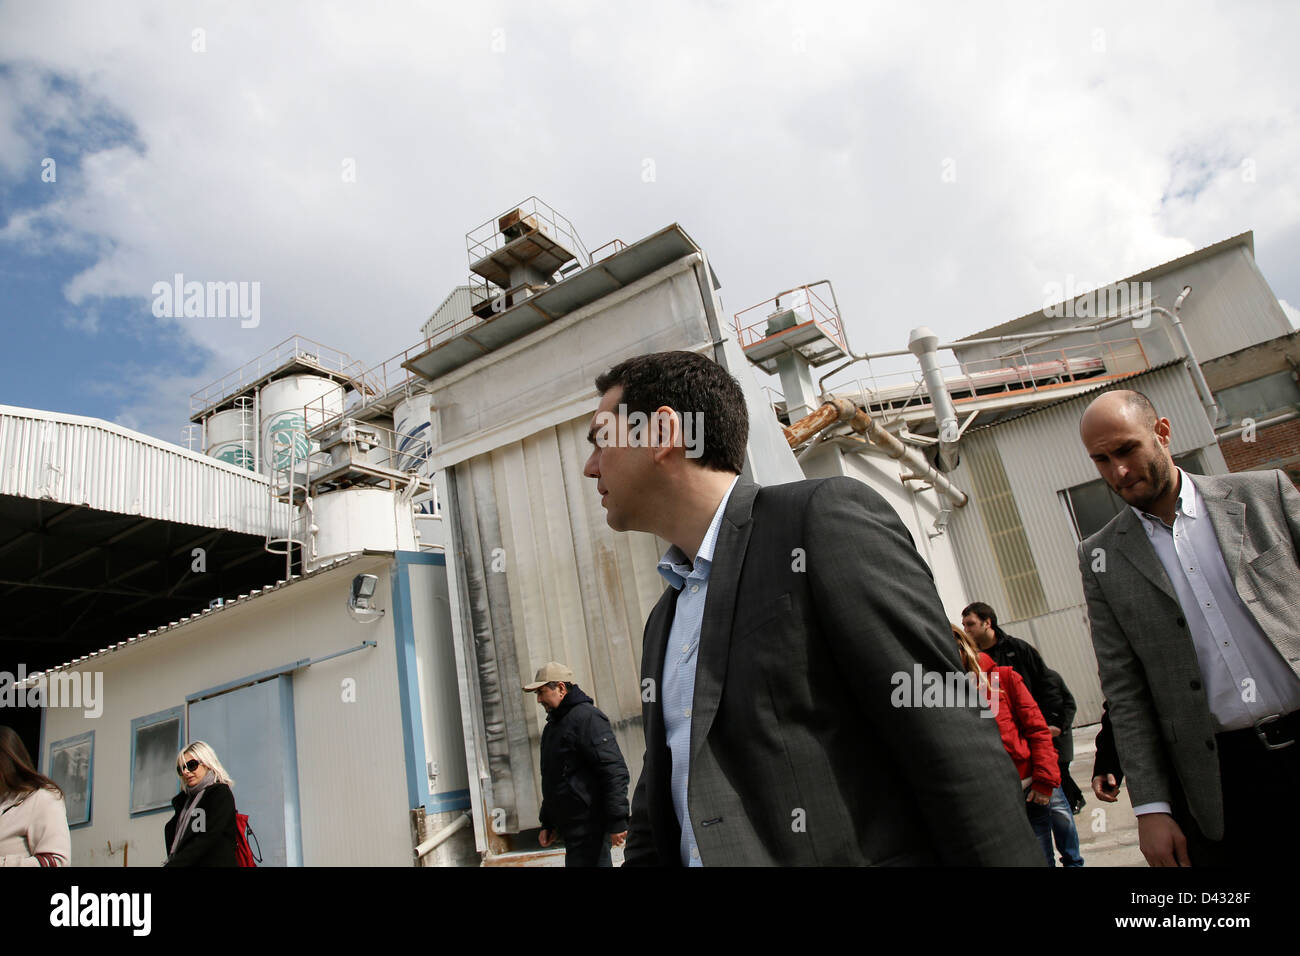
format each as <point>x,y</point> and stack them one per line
<point>1162,431</point>
<point>665,432</point>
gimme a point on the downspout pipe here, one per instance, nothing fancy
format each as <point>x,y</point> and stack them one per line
<point>1194,367</point>
<point>837,410</point>
<point>924,344</point>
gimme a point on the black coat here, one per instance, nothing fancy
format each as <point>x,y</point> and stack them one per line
<point>1024,659</point>
<point>214,845</point>
<point>1107,759</point>
<point>584,778</point>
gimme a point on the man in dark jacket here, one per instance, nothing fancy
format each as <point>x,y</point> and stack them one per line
<point>981,623</point>
<point>584,778</point>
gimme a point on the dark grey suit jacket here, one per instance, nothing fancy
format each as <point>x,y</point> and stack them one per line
<point>817,597</point>
<point>1145,654</point>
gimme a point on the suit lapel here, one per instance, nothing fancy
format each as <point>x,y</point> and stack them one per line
<point>1228,518</point>
<point>652,662</point>
<point>720,610</point>
<point>1133,544</point>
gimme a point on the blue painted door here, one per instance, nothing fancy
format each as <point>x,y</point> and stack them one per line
<point>252,731</point>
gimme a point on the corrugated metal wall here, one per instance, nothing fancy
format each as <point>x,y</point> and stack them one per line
<point>547,579</point>
<point>455,307</point>
<point>1042,456</point>
<point>84,461</point>
<point>1230,308</point>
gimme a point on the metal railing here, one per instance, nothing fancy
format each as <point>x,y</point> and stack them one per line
<point>486,239</point>
<point>904,390</point>
<point>808,305</point>
<point>295,348</point>
<point>615,246</point>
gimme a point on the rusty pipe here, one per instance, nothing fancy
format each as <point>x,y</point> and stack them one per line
<point>837,410</point>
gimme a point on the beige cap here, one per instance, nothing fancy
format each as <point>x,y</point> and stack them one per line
<point>550,671</point>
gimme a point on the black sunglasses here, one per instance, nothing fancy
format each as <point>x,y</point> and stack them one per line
<point>191,766</point>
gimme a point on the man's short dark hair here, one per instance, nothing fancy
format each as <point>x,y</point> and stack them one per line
<point>981,611</point>
<point>687,382</point>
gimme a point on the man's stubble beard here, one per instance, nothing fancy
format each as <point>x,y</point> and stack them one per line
<point>1160,479</point>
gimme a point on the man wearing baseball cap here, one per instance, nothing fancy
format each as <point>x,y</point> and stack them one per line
<point>584,778</point>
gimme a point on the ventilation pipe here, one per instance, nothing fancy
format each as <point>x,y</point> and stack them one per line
<point>924,345</point>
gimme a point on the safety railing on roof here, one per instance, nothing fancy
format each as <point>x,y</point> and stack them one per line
<point>488,238</point>
<point>296,348</point>
<point>383,382</point>
<point>904,390</point>
<point>615,246</point>
<point>807,302</point>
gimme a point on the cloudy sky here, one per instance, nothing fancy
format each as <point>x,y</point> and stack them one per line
<point>942,164</point>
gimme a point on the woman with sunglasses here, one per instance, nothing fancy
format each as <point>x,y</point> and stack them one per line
<point>202,831</point>
<point>33,822</point>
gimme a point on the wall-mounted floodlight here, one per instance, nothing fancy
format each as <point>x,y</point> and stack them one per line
<point>361,602</point>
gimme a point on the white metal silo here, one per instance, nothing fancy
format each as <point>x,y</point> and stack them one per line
<point>411,430</point>
<point>230,436</point>
<point>283,428</point>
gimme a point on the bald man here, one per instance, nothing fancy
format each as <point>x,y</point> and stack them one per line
<point>1194,601</point>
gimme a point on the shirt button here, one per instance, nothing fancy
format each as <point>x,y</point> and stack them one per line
<point>695,853</point>
<point>686,712</point>
<point>694,588</point>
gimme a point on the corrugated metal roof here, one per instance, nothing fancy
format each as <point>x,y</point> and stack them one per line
<point>75,460</point>
<point>1246,239</point>
<point>208,612</point>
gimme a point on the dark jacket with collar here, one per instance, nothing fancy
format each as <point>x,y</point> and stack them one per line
<point>1045,685</point>
<point>584,777</point>
<point>212,845</point>
<point>817,602</point>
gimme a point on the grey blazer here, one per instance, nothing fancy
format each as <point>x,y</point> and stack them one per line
<point>817,597</point>
<point>1145,655</point>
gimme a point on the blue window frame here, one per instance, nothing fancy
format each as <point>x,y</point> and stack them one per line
<point>72,767</point>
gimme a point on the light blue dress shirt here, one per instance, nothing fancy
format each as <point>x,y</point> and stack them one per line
<point>680,659</point>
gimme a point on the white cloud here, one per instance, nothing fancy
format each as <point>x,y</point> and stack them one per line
<point>1292,313</point>
<point>793,141</point>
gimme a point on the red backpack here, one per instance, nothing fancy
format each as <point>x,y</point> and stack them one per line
<point>243,852</point>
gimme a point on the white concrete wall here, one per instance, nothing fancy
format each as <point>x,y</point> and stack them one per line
<point>351,773</point>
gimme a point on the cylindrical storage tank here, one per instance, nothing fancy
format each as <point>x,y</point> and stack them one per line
<point>357,519</point>
<point>411,430</point>
<point>284,431</point>
<point>230,437</point>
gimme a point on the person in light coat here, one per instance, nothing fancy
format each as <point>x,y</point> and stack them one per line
<point>33,822</point>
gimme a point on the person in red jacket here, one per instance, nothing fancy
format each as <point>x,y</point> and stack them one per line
<point>1025,736</point>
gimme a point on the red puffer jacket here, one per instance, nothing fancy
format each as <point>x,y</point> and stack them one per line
<point>1024,732</point>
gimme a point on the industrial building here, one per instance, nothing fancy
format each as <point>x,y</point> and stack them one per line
<point>423,537</point>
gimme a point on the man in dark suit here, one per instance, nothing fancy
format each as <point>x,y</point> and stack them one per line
<point>775,730</point>
<point>1192,597</point>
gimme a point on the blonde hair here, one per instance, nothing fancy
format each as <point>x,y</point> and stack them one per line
<point>970,655</point>
<point>205,755</point>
